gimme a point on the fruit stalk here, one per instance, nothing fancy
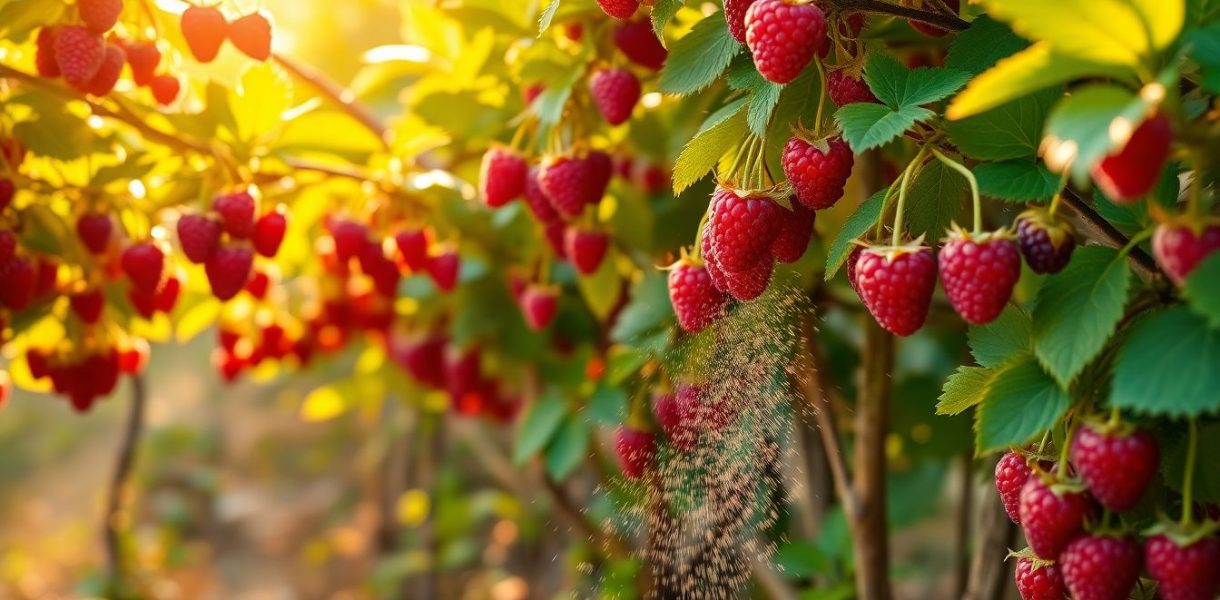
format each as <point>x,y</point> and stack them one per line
<point>336,93</point>
<point>902,194</point>
<point>1188,476</point>
<point>974,188</point>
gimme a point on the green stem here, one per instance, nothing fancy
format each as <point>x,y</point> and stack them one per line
<point>885,202</point>
<point>817,120</point>
<point>902,194</point>
<point>1042,445</point>
<point>1188,478</point>
<point>974,187</point>
<point>699,234</point>
<point>1061,467</point>
<point>1135,241</point>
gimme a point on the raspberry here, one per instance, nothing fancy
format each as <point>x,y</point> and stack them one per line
<point>896,285</point>
<point>619,9</point>
<point>229,269</point>
<point>413,248</point>
<point>134,358</point>
<point>47,278</point>
<point>423,357</point>
<point>845,89</point>
<point>108,74</point>
<point>636,450</point>
<point>7,191</point>
<point>444,268</point>
<point>573,31</point>
<point>615,92</point>
<point>88,305</point>
<point>568,183</point>
<point>165,89</point>
<point>585,249</point>
<point>742,229</point>
<point>1011,473</point>
<point>44,56</point>
<point>735,17</point>
<point>714,273</point>
<point>852,260</point>
<point>100,16</point>
<point>1116,467</point>
<point>818,172</point>
<point>556,233</point>
<point>144,59</point>
<point>697,303</point>
<point>380,269</point>
<point>1101,567</point>
<point>638,42</point>
<point>94,230</point>
<point>502,176</point>
<point>784,37</point>
<point>978,273</point>
<point>463,372</point>
<point>350,239</point>
<point>236,213</point>
<point>205,30</point>
<point>199,236</point>
<point>932,30</point>
<point>1182,244</point>
<point>539,304</point>
<point>1184,572</point>
<point>1128,174</point>
<point>1050,518</point>
<point>601,170</point>
<point>8,245</point>
<point>537,200</point>
<point>269,233</point>
<point>676,421</point>
<point>17,279</point>
<point>796,229</point>
<point>1046,242</point>
<point>79,54</point>
<point>1037,581</point>
<point>144,264</point>
<point>258,284</point>
<point>252,35</point>
<point>750,284</point>
<point>167,296</point>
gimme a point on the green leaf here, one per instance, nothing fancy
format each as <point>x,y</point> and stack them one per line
<point>1030,70</point>
<point>1203,290</point>
<point>1013,130</point>
<point>857,225</point>
<point>539,425</point>
<point>1078,309</point>
<point>1085,121</point>
<point>663,12</point>
<point>801,559</point>
<point>1205,49</point>
<point>1022,402</point>
<point>1206,481</point>
<point>696,60</point>
<point>1118,32</point>
<point>982,45</point>
<point>549,104</point>
<point>544,20</point>
<point>963,389</point>
<point>608,404</point>
<point>866,125</point>
<point>601,288</point>
<point>1132,217</point>
<point>898,87</point>
<point>648,309</point>
<point>1007,336</point>
<point>703,152</point>
<point>762,105</point>
<point>1022,180</point>
<point>567,450</point>
<point>1167,366</point>
<point>935,200</point>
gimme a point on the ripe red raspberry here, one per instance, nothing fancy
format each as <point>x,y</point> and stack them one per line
<point>742,229</point>
<point>932,30</point>
<point>750,284</point>
<point>852,260</point>
<point>714,273</point>
<point>167,296</point>
<point>18,277</point>
<point>79,54</point>
<point>269,233</point>
<point>229,269</point>
<point>697,303</point>
<point>8,245</point>
<point>556,233</point>
<point>1046,242</point>
<point>574,30</point>
<point>424,358</point>
<point>205,30</point>
<point>502,176</point>
<point>784,37</point>
<point>444,269</point>
<point>896,285</point>
<point>601,170</point>
<point>198,235</point>
<point>636,450</point>
<point>7,191</point>
<point>44,55</point>
<point>383,271</point>
<point>568,183</point>
<point>638,42</point>
<point>735,17</point>
<point>585,249</point>
<point>108,74</point>
<point>144,264</point>
<point>100,16</point>
<point>1050,519</point>
<point>463,373</point>
<point>1184,572</point>
<point>978,273</point>
<point>350,239</point>
<point>1101,567</point>
<point>1115,466</point>
<point>144,303</point>
<point>1011,473</point>
<point>1038,580</point>
<point>144,58</point>
<point>88,305</point>
<point>134,357</point>
<point>539,203</point>
<point>539,304</point>
<point>796,229</point>
<point>95,230</point>
<point>619,9</point>
<point>819,171</point>
<point>258,285</point>
<point>615,92</point>
<point>252,35</point>
<point>413,248</point>
<point>165,89</point>
<point>1131,171</point>
<point>676,421</point>
<point>236,212</point>
<point>845,89</point>
<point>1181,245</point>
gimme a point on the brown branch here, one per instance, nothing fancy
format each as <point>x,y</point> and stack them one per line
<point>814,383</point>
<point>949,22</point>
<point>872,424</point>
<point>989,574</point>
<point>1140,261</point>
<point>345,98</point>
<point>965,516</point>
<point>605,541</point>
<point>122,473</point>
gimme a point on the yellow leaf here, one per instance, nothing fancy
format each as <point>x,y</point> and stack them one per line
<point>1115,32</point>
<point>260,99</point>
<point>323,404</point>
<point>198,318</point>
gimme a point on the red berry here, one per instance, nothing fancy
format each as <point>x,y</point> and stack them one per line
<point>742,229</point>
<point>735,17</point>
<point>502,176</point>
<point>555,233</point>
<point>932,30</point>
<point>44,56</point>
<point>601,171</point>
<point>144,59</point>
<point>539,203</point>
<point>1184,572</point>
<point>18,278</point>
<point>269,233</point>
<point>852,259</point>
<point>7,191</point>
<point>252,35</point>
<point>165,89</point>
<point>229,269</point>
<point>8,245</point>
<point>108,74</point>
<point>1131,171</point>
<point>99,16</point>
<point>615,92</point>
<point>413,248</point>
<point>568,182</point>
<point>1101,567</point>
<point>444,269</point>
<point>619,9</point>
<point>94,230</point>
<point>1046,242</point>
<point>585,249</point>
<point>199,236</point>
<point>236,213</point>
<point>796,229</point>
<point>818,172</point>
<point>1011,473</point>
<point>350,239</point>
<point>676,420</point>
<point>1039,581</point>
<point>697,303</point>
<point>749,284</point>
<point>463,374</point>
<point>639,43</point>
<point>381,269</point>
<point>205,30</point>
<point>134,358</point>
<point>144,264</point>
<point>530,93</point>
<point>978,273</point>
<point>145,303</point>
<point>1050,518</point>
<point>636,450</point>
<point>423,358</point>
<point>1182,244</point>
<point>79,54</point>
<point>1116,467</point>
<point>539,304</point>
<point>47,277</point>
<point>258,285</point>
<point>845,89</point>
<point>88,305</point>
<point>167,297</point>
<point>896,285</point>
<point>784,37</point>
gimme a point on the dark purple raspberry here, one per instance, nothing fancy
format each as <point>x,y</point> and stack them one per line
<point>846,89</point>
<point>1047,243</point>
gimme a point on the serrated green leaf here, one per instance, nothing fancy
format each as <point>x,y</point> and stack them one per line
<point>762,105</point>
<point>698,58</point>
<point>1134,216</point>
<point>1205,49</point>
<point>1022,180</point>
<point>1202,290</point>
<point>1013,130</point>
<point>982,45</point>
<point>649,309</point>
<point>1022,402</point>
<point>1000,340</point>
<point>567,449</point>
<point>936,200</point>
<point>662,12</point>
<point>1206,480</point>
<point>1118,32</point>
<point>1167,366</point>
<point>703,151</point>
<point>544,20</point>
<point>548,106</point>
<point>963,389</point>
<point>899,87</point>
<point>1086,120</point>
<point>866,125</point>
<point>541,420</point>
<point>608,404</point>
<point>1078,309</point>
<point>857,225</point>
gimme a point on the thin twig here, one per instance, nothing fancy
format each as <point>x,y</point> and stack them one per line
<point>950,22</point>
<point>345,98</point>
<point>122,473</point>
<point>1140,261</point>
